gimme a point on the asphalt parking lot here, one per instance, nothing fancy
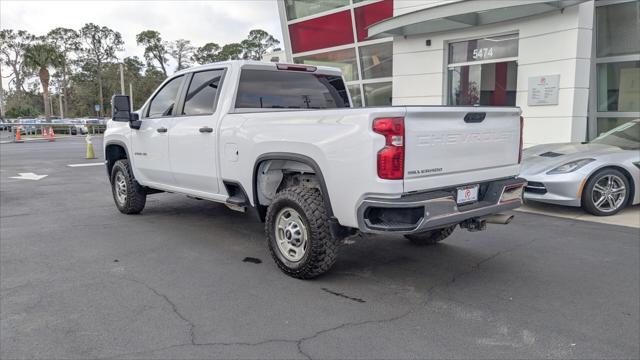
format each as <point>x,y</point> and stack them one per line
<point>79,280</point>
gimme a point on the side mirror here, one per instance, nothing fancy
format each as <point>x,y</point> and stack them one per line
<point>121,108</point>
<point>122,111</point>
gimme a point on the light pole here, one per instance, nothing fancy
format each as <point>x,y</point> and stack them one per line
<point>60,105</point>
<point>1,95</point>
<point>130,96</point>
<point>122,78</point>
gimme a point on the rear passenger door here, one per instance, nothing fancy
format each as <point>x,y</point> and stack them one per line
<point>193,137</point>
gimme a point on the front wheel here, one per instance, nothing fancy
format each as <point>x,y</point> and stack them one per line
<point>298,235</point>
<point>606,193</point>
<point>129,196</point>
<point>430,237</point>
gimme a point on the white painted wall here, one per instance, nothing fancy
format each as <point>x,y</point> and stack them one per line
<point>552,43</point>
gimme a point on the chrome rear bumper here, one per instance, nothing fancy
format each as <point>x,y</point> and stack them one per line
<point>413,213</point>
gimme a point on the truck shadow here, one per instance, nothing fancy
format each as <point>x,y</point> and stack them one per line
<point>388,258</point>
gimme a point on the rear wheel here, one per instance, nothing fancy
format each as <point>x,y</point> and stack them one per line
<point>298,235</point>
<point>431,237</point>
<point>129,196</point>
<point>606,193</point>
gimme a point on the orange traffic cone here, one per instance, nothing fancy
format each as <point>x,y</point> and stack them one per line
<point>18,139</point>
<point>52,135</point>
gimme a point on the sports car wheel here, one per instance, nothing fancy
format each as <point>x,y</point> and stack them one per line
<point>605,193</point>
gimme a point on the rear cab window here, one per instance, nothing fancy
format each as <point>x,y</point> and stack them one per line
<point>274,89</point>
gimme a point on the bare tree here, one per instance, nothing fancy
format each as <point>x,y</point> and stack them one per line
<point>67,42</point>
<point>100,46</point>
<point>182,51</point>
<point>12,48</point>
<point>155,49</point>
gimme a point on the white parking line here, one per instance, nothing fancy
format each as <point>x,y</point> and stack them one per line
<point>86,164</point>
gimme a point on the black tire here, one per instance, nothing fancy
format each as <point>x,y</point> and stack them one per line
<point>430,237</point>
<point>321,249</point>
<point>588,201</point>
<point>135,196</point>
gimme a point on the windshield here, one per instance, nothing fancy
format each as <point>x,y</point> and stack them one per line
<point>625,136</point>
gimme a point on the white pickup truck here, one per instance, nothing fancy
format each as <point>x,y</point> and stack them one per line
<point>282,141</point>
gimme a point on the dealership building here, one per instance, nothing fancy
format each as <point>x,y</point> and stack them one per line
<point>573,66</point>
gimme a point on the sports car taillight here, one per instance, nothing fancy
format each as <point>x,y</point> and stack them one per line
<point>391,156</point>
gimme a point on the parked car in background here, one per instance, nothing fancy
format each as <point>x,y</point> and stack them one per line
<point>78,127</point>
<point>602,176</point>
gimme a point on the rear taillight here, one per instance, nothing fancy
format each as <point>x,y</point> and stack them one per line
<point>521,139</point>
<point>391,156</point>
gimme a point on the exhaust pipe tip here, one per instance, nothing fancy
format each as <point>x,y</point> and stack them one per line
<point>502,219</point>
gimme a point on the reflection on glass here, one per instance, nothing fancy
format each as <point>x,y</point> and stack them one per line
<point>625,136</point>
<point>300,8</point>
<point>377,60</point>
<point>619,86</point>
<point>202,92</point>
<point>356,95</point>
<point>487,84</point>
<point>605,124</point>
<point>164,101</point>
<point>378,94</point>
<point>290,90</point>
<point>344,59</point>
<point>617,28</point>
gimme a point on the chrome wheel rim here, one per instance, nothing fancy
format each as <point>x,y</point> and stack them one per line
<point>120,186</point>
<point>291,234</point>
<point>608,193</point>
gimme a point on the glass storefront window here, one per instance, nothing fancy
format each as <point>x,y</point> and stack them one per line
<point>376,60</point>
<point>618,86</point>
<point>618,27</point>
<point>300,8</point>
<point>321,32</point>
<point>489,48</point>
<point>356,95</point>
<point>607,123</point>
<point>345,60</point>
<point>378,94</point>
<point>370,14</point>
<point>487,84</point>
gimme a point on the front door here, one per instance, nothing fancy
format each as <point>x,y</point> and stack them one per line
<point>193,138</point>
<point>151,142</point>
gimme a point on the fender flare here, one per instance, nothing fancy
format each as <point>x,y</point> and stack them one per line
<point>119,143</point>
<point>295,157</point>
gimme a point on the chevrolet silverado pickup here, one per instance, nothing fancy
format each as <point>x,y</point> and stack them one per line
<point>283,141</point>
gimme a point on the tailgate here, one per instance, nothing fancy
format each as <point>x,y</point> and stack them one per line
<point>447,146</point>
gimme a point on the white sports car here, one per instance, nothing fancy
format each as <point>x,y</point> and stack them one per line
<point>602,176</point>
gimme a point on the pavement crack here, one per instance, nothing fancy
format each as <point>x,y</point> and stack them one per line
<point>174,308</point>
<point>485,260</point>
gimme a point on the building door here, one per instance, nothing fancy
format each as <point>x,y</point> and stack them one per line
<point>483,71</point>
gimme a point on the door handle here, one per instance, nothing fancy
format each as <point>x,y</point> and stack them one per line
<point>161,130</point>
<point>206,129</point>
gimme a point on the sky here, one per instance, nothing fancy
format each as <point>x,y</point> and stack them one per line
<point>219,21</point>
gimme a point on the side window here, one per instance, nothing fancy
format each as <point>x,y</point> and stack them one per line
<point>165,100</point>
<point>201,95</point>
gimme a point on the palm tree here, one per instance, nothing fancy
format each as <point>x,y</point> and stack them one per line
<point>40,57</point>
